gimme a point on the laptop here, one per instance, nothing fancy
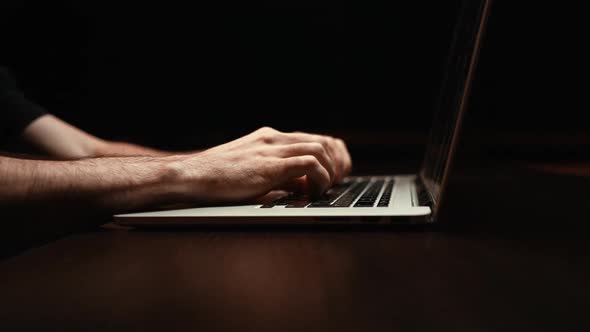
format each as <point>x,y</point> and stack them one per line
<point>377,200</point>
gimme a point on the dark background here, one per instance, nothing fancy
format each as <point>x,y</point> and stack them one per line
<point>179,76</point>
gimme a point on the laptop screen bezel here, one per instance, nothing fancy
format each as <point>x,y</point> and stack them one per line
<point>436,187</point>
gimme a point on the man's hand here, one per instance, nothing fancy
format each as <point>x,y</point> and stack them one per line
<point>262,161</point>
<point>244,169</point>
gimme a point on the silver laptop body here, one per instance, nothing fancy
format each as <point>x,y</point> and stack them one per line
<point>395,199</point>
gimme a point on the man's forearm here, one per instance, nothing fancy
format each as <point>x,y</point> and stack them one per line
<point>61,140</point>
<point>123,149</point>
<point>106,184</point>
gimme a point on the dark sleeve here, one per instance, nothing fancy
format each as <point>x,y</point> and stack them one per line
<point>16,112</point>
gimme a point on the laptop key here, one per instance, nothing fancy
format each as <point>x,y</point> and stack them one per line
<point>386,196</point>
<point>338,196</point>
<point>370,195</point>
<point>347,198</point>
<point>327,199</point>
<point>285,201</point>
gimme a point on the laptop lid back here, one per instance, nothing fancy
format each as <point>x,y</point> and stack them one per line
<point>453,98</point>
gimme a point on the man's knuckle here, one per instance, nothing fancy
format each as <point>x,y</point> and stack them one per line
<point>267,138</point>
<point>317,148</point>
<point>318,167</point>
<point>309,161</point>
<point>265,130</point>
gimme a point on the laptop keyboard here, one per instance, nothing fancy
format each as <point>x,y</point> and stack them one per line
<point>357,193</point>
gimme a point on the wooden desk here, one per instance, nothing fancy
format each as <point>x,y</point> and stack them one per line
<point>499,270</point>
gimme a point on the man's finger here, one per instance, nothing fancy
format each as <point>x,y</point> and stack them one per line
<point>301,149</point>
<point>329,144</point>
<point>318,178</point>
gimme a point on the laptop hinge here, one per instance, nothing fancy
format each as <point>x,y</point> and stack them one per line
<point>424,196</point>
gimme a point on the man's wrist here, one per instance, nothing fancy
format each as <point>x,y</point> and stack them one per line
<point>184,184</point>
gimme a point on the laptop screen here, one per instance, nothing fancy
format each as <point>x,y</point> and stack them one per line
<point>453,96</point>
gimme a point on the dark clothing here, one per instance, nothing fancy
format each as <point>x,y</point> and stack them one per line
<point>16,112</point>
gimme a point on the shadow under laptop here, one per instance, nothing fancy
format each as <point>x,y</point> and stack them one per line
<point>515,199</point>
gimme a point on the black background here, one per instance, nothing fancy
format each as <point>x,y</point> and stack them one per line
<point>180,76</point>
<point>176,75</point>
